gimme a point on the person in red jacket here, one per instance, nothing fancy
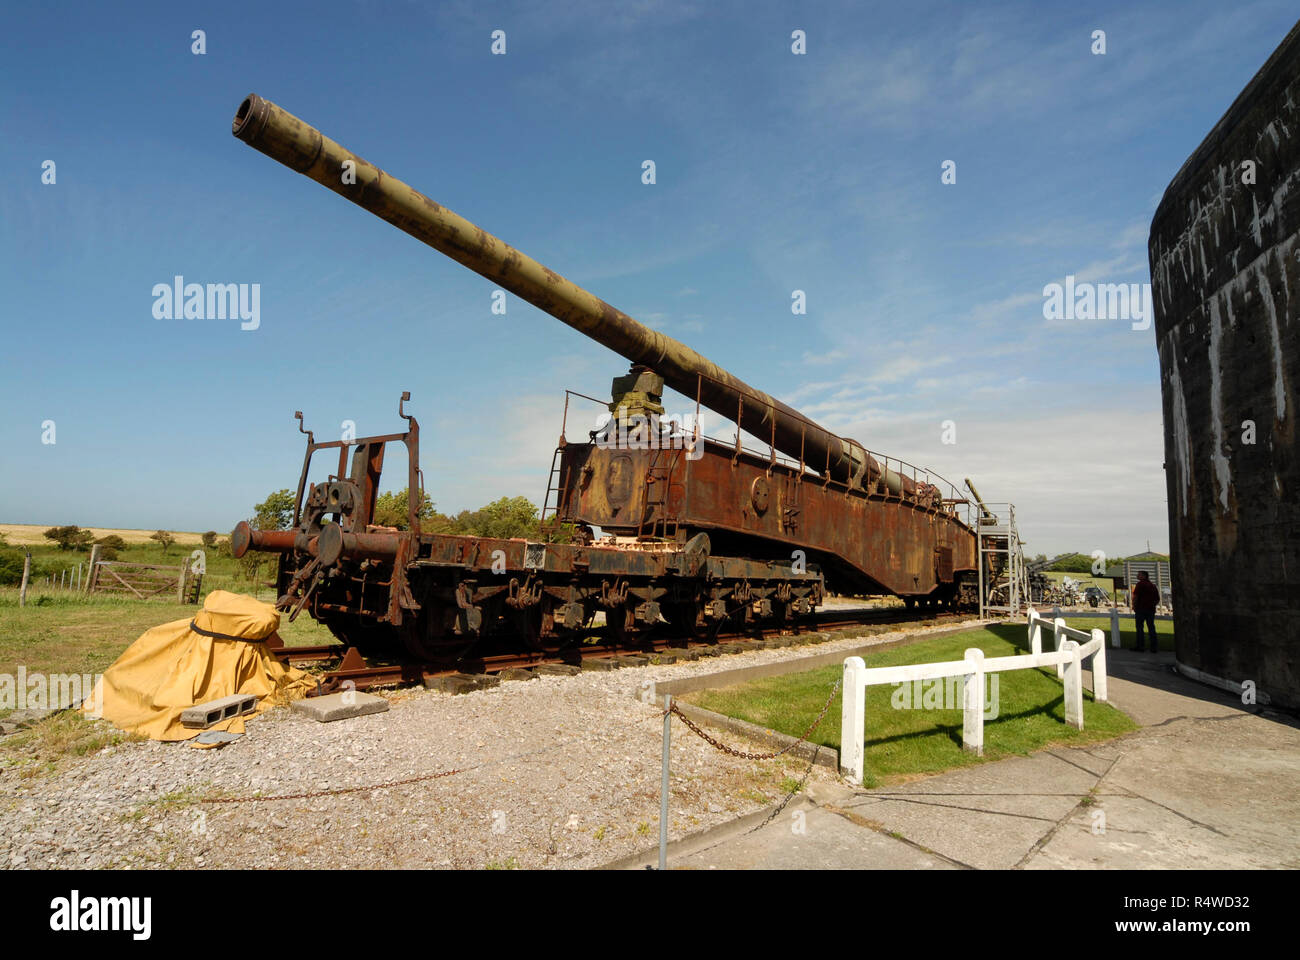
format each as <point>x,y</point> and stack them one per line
<point>1145,599</point>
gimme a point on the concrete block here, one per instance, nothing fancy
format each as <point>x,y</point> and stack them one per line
<point>333,707</point>
<point>711,651</point>
<point>632,660</point>
<point>662,656</point>
<point>516,673</point>
<point>203,715</point>
<point>682,653</point>
<point>556,670</point>
<point>602,664</point>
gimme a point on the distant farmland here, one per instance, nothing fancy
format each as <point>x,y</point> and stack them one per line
<point>31,534</point>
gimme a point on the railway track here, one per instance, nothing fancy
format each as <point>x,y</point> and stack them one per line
<point>363,674</point>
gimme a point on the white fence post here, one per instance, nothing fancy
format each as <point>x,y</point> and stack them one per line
<point>1099,666</point>
<point>1058,638</point>
<point>1035,632</point>
<point>972,727</point>
<point>1114,627</point>
<point>1073,685</point>
<point>853,719</point>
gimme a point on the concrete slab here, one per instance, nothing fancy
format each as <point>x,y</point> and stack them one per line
<point>1207,782</point>
<point>333,707</point>
<point>800,837</point>
<point>517,673</point>
<point>601,664</point>
<point>217,736</point>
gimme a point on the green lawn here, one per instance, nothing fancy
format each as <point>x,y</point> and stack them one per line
<point>63,631</point>
<point>903,743</point>
<point>1127,631</point>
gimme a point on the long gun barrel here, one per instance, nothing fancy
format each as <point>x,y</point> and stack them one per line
<point>283,137</point>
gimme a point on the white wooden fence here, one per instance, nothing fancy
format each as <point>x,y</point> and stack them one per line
<point>1070,648</point>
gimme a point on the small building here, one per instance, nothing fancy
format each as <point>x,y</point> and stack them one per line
<point>1124,575</point>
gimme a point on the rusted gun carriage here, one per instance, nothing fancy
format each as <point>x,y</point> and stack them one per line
<point>694,531</point>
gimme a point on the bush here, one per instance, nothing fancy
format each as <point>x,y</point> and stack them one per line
<point>209,539</point>
<point>391,509</point>
<point>164,537</point>
<point>70,537</point>
<point>274,513</point>
<point>109,546</point>
<point>11,566</point>
<point>504,518</point>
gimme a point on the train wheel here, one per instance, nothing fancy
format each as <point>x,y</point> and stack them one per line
<point>369,638</point>
<point>685,619</point>
<point>427,635</point>
<point>620,625</point>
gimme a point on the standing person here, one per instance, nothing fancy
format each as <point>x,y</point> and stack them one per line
<point>1145,599</point>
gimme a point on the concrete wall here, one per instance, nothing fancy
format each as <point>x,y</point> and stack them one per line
<point>1225,272</point>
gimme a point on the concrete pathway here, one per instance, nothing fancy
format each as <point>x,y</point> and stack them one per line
<point>1206,782</point>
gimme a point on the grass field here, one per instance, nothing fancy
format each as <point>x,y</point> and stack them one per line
<point>63,631</point>
<point>1127,630</point>
<point>32,534</point>
<point>904,743</point>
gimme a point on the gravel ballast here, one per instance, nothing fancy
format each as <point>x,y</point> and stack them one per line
<point>556,772</point>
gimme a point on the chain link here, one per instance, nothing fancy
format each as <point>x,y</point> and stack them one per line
<point>759,756</point>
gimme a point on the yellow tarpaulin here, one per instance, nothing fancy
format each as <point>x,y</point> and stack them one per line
<point>174,666</point>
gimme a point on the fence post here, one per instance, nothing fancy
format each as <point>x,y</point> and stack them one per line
<point>1114,627</point>
<point>972,701</point>
<point>180,584</point>
<point>27,572</point>
<point>1099,666</point>
<point>1058,638</point>
<point>1073,685</point>
<point>1035,632</point>
<point>853,717</point>
<point>663,789</point>
<point>93,568</point>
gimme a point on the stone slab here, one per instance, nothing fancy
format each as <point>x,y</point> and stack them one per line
<point>333,707</point>
<point>557,670</point>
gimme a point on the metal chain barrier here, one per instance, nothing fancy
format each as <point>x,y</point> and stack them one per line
<point>759,756</point>
<point>335,792</point>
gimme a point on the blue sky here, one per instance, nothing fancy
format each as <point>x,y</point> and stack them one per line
<point>775,172</point>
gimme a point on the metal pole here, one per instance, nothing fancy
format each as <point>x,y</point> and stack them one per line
<point>663,789</point>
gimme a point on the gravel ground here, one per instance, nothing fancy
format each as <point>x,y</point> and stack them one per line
<point>557,772</point>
